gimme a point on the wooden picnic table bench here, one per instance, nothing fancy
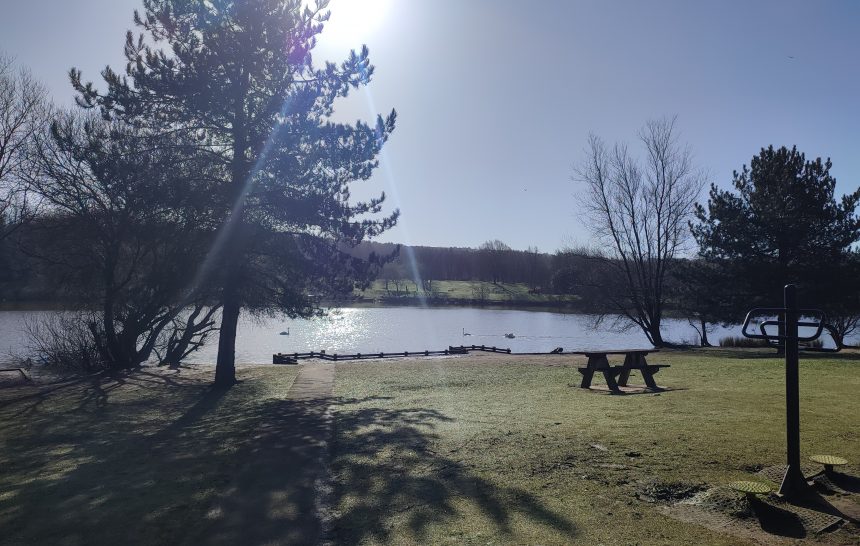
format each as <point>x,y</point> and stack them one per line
<point>634,360</point>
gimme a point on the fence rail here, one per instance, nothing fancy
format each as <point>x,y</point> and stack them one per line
<point>293,358</point>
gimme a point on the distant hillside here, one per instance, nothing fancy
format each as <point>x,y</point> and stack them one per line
<point>494,264</point>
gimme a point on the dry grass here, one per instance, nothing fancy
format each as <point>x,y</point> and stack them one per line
<point>490,449</point>
<point>479,449</point>
<point>136,459</point>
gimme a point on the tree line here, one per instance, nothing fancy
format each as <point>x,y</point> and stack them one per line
<point>493,261</point>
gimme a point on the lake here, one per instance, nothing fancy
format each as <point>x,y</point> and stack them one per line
<point>398,329</point>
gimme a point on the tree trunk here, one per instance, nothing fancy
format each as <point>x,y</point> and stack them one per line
<point>838,339</point>
<point>705,342</point>
<point>225,367</point>
<point>655,335</point>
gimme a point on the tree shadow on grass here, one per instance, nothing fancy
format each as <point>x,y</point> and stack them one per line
<point>387,474</point>
<point>273,496</point>
<point>114,460</point>
<point>141,460</point>
<point>137,460</point>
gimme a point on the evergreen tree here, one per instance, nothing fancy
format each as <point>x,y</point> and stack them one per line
<point>694,294</point>
<point>782,225</point>
<point>843,310</point>
<point>239,76</point>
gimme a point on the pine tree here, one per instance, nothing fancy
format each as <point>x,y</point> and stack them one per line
<point>239,75</point>
<point>784,225</point>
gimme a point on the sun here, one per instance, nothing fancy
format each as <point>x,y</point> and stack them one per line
<point>353,22</point>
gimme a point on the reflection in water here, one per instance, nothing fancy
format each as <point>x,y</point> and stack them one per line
<point>398,329</point>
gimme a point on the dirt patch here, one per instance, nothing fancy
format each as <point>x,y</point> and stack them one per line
<point>764,520</point>
<point>668,492</point>
<point>430,386</point>
<point>723,500</point>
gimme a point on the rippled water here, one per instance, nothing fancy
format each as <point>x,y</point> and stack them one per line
<point>398,329</point>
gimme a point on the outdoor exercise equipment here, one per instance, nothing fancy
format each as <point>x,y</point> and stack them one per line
<point>828,461</point>
<point>788,323</point>
<point>750,488</point>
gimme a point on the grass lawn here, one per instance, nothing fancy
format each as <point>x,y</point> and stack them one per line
<point>484,449</point>
<point>490,449</point>
<point>133,460</point>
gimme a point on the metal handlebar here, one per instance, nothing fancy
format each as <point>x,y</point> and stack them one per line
<point>815,313</point>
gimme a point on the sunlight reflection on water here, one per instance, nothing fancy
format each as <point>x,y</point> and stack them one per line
<point>398,329</point>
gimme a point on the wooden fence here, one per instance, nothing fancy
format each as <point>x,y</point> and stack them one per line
<point>293,358</point>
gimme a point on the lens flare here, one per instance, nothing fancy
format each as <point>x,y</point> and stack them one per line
<point>354,21</point>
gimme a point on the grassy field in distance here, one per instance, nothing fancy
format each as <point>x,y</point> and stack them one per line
<point>455,291</point>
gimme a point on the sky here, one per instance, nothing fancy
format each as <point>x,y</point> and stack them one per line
<point>496,98</point>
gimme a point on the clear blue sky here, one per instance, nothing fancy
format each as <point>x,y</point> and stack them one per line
<point>496,98</point>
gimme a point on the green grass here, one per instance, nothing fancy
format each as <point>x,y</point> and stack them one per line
<point>490,450</point>
<point>487,449</point>
<point>139,459</point>
<point>462,291</point>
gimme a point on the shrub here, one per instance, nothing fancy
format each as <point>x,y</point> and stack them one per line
<point>66,341</point>
<point>740,341</point>
<point>749,343</point>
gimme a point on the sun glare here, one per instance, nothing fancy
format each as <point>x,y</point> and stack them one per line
<point>354,21</point>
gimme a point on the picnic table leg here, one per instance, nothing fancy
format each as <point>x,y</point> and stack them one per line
<point>610,381</point>
<point>595,362</point>
<point>649,379</point>
<point>586,377</point>
<point>600,363</point>
<point>646,373</point>
<point>632,361</point>
<point>625,373</point>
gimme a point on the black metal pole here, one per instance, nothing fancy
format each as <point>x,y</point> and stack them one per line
<point>793,483</point>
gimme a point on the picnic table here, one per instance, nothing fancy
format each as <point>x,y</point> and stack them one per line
<point>634,360</point>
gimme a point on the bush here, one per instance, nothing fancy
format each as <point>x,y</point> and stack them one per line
<point>66,341</point>
<point>748,343</point>
<point>740,341</point>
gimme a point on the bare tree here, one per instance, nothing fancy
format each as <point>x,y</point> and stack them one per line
<point>841,327</point>
<point>120,225</point>
<point>24,110</point>
<point>640,211</point>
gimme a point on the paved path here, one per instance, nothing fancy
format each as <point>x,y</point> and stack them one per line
<point>277,494</point>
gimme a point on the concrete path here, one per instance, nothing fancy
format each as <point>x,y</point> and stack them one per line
<point>280,490</point>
